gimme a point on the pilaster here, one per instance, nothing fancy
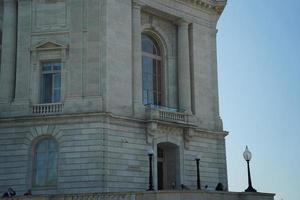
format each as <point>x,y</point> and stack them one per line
<point>184,74</point>
<point>8,57</point>
<point>136,58</point>
<point>23,53</point>
<point>214,78</point>
<point>75,74</point>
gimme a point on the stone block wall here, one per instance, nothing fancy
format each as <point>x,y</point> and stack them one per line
<point>100,153</point>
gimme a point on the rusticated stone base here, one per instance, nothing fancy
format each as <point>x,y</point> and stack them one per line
<point>155,195</point>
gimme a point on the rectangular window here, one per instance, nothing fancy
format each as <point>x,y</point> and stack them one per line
<point>51,82</point>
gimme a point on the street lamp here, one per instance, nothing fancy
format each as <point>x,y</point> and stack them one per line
<point>247,156</point>
<point>198,158</point>
<point>150,154</point>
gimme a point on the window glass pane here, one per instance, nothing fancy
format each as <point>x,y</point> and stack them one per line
<point>46,67</point>
<point>147,74</point>
<point>52,145</point>
<point>144,82</point>
<point>52,176</point>
<point>150,97</point>
<point>154,66</point>
<point>150,82</point>
<point>56,98</point>
<point>147,44</point>
<point>57,80</point>
<point>56,66</point>
<point>147,65</point>
<point>145,97</point>
<point>42,146</point>
<point>57,86</point>
<point>47,88</point>
<point>41,161</point>
<point>155,84</point>
<point>52,160</point>
<point>40,177</point>
<point>145,68</point>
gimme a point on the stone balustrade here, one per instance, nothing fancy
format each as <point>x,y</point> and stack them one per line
<point>46,109</point>
<point>166,114</point>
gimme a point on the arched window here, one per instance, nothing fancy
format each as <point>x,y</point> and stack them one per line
<point>45,166</point>
<point>152,71</point>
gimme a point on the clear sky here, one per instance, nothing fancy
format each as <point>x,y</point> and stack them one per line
<point>259,84</point>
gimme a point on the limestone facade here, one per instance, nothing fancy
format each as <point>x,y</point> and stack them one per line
<point>102,128</point>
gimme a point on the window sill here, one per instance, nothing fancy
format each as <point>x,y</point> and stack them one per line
<point>47,109</point>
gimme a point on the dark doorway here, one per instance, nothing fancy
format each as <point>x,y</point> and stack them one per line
<point>160,175</point>
<point>168,166</point>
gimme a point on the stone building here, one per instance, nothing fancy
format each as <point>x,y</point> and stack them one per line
<point>87,87</point>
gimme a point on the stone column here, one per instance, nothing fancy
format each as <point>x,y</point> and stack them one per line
<point>184,74</point>
<point>136,57</point>
<point>8,62</point>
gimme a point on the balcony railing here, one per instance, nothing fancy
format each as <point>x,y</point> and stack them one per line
<point>45,109</point>
<point>166,114</point>
<point>172,116</point>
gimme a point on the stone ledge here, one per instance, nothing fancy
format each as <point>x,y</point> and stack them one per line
<point>155,195</point>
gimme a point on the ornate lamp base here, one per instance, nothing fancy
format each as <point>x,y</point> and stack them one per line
<point>250,189</point>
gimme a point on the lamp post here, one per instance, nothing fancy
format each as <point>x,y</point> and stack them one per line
<point>150,154</point>
<point>247,156</point>
<point>198,158</point>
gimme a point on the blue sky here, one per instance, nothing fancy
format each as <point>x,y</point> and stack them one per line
<point>259,84</point>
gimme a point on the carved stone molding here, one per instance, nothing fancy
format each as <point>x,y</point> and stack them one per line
<point>214,5</point>
<point>45,130</point>
<point>137,4</point>
<point>164,129</point>
<point>49,45</point>
<point>187,136</point>
<point>151,130</point>
<point>46,46</point>
<point>154,130</point>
